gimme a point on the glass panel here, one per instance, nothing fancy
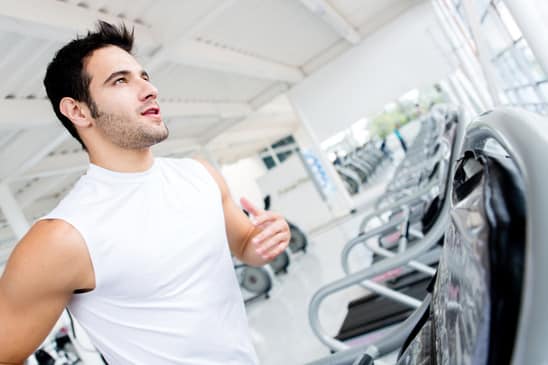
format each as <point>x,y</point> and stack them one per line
<point>515,71</point>
<point>530,61</point>
<point>282,156</point>
<point>512,97</point>
<point>544,89</point>
<point>504,73</point>
<point>528,95</point>
<point>269,162</point>
<point>530,107</point>
<point>284,141</point>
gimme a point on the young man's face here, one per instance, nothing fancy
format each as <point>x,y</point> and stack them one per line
<point>126,109</point>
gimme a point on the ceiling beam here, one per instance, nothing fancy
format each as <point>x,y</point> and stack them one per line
<point>202,55</point>
<point>325,11</point>
<point>25,113</point>
<point>28,113</point>
<point>12,211</point>
<point>232,139</point>
<point>218,129</point>
<point>28,149</point>
<point>59,21</point>
<point>268,94</point>
<point>41,207</point>
<point>183,49</point>
<point>174,146</point>
<point>162,53</point>
<point>183,109</point>
<point>42,188</point>
<point>255,124</point>
<point>16,80</point>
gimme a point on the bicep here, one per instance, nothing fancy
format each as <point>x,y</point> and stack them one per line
<point>33,294</point>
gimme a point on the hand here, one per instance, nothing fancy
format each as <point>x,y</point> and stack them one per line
<point>274,234</point>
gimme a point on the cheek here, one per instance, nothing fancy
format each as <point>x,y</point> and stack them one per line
<point>116,103</point>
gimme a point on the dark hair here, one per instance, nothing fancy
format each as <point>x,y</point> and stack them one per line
<point>66,76</point>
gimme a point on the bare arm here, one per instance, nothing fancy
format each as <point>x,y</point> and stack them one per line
<point>46,266</point>
<point>253,243</point>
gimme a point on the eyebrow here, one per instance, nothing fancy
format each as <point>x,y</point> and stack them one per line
<point>122,73</point>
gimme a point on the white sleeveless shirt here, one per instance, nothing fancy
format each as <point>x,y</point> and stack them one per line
<point>166,291</point>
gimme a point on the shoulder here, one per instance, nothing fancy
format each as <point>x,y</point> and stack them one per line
<point>52,250</point>
<point>56,233</point>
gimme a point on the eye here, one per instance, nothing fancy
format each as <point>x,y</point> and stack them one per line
<point>146,77</point>
<point>121,80</point>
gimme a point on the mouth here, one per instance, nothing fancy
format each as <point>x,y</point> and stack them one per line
<point>151,111</point>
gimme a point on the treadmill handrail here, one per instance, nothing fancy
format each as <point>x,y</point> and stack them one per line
<point>423,245</point>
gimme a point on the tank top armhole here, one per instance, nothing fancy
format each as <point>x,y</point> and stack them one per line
<point>75,226</point>
<point>206,174</point>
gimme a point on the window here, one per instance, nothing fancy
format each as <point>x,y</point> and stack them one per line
<point>522,79</point>
<point>278,152</point>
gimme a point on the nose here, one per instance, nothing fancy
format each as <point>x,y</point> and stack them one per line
<point>148,91</point>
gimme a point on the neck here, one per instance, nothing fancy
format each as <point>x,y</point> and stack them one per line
<point>122,160</point>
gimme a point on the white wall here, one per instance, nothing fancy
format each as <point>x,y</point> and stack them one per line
<point>241,179</point>
<point>294,194</point>
<point>400,56</point>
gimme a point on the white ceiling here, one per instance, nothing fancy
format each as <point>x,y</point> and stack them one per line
<point>217,63</point>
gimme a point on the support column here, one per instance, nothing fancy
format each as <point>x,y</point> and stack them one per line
<point>530,21</point>
<point>12,211</point>
<point>338,200</point>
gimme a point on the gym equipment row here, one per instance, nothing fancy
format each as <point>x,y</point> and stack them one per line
<point>485,302</point>
<point>359,166</point>
<point>406,222</point>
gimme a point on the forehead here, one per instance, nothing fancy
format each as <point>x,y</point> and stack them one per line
<point>104,61</point>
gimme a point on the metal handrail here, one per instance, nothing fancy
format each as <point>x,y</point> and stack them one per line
<point>389,343</point>
<point>423,245</point>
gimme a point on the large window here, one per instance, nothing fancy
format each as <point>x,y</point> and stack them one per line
<point>278,152</point>
<point>521,77</point>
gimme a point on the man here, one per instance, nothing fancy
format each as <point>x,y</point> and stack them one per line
<point>400,138</point>
<point>139,250</point>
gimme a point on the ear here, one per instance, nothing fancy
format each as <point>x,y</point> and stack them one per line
<point>76,111</point>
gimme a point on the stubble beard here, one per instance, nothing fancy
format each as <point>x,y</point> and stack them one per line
<point>125,133</point>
